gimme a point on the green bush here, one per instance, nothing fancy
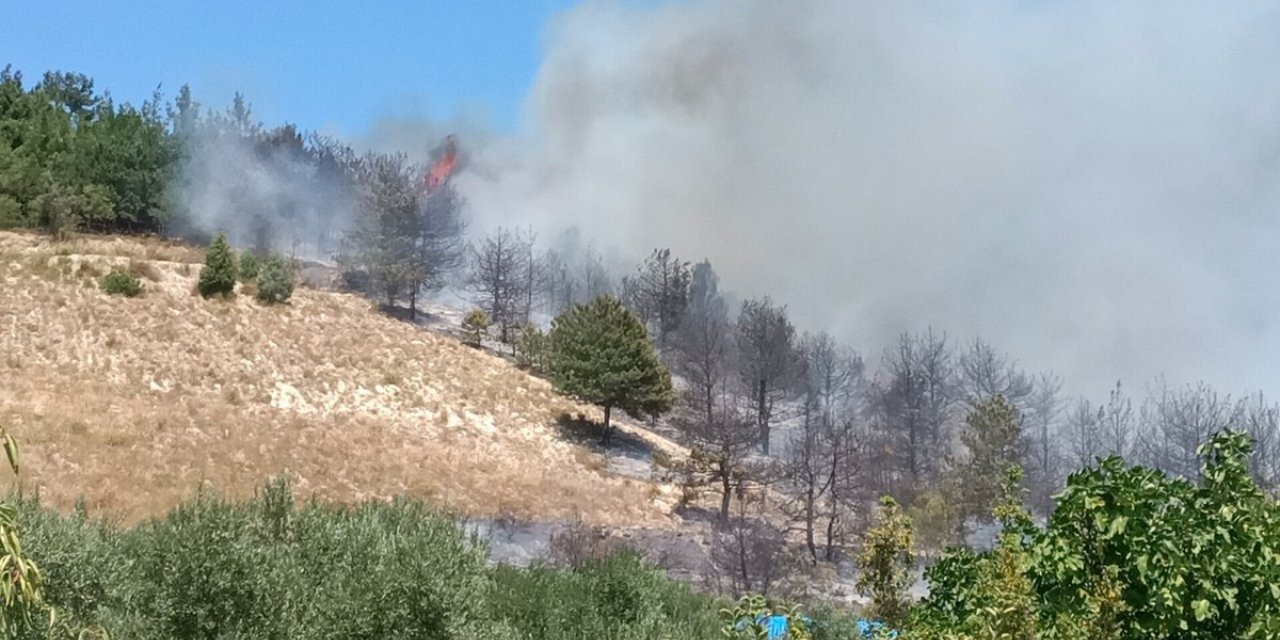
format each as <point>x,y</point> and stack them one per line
<point>218,277</point>
<point>121,283</point>
<point>1129,552</point>
<point>532,349</point>
<point>615,597</point>
<point>248,267</point>
<point>276,568</point>
<point>275,280</point>
<point>11,215</point>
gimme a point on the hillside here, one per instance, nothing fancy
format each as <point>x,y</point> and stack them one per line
<point>134,403</point>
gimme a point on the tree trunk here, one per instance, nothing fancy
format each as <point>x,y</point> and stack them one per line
<point>912,463</point>
<point>726,491</point>
<point>809,517</point>
<point>762,419</point>
<point>604,437</point>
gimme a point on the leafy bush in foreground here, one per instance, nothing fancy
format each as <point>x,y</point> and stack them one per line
<point>1129,553</point>
<point>272,569</point>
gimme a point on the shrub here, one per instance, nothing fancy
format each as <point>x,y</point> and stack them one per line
<point>121,283</point>
<point>275,281</point>
<point>886,562</point>
<point>532,348</point>
<point>218,277</point>
<point>248,267</point>
<point>618,597</point>
<point>268,569</point>
<point>754,617</point>
<point>11,215</point>
<point>474,326</point>
<point>1129,552</point>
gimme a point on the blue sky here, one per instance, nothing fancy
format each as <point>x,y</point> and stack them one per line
<point>323,65</point>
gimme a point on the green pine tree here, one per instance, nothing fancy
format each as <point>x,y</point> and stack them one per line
<point>249,266</point>
<point>218,277</point>
<point>601,353</point>
<point>993,436</point>
<point>275,280</point>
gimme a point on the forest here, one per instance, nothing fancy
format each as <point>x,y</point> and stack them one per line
<point>1145,512</point>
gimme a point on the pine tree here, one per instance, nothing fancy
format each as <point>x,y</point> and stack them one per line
<point>601,353</point>
<point>249,266</point>
<point>218,277</point>
<point>275,280</point>
<point>993,437</point>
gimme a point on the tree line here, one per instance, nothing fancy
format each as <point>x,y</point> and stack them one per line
<point>1128,551</point>
<point>931,421</point>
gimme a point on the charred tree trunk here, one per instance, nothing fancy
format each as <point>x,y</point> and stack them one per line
<point>726,490</point>
<point>762,416</point>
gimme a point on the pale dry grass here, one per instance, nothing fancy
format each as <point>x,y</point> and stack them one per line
<point>133,403</point>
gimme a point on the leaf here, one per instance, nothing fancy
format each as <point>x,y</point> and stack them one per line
<point>1117,526</point>
<point>11,450</point>
<point>1201,609</point>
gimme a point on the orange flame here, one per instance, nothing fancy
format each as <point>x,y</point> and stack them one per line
<point>443,167</point>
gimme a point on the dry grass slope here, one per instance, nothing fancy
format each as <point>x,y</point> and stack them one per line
<point>133,403</point>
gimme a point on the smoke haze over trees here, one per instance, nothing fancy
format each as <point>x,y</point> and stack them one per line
<point>1066,180</point>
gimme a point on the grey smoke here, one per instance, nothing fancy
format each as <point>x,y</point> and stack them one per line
<point>1093,186</point>
<point>259,198</point>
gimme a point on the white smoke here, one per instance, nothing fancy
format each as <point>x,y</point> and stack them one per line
<point>261,196</point>
<point>1091,185</point>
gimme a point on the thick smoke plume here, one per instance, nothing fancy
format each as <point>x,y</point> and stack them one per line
<point>1093,186</point>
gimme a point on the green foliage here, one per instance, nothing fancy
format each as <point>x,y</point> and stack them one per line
<point>248,267</point>
<point>274,568</point>
<point>747,619</point>
<point>885,564</point>
<point>601,353</point>
<point>993,437</point>
<point>218,277</point>
<point>1184,560</point>
<point>11,213</point>
<point>1128,553</point>
<point>119,282</point>
<point>21,580</point>
<point>533,348</point>
<point>614,597</point>
<point>475,325</point>
<point>402,240</point>
<point>275,280</point>
<point>70,158</point>
<point>271,569</point>
<point>935,517</point>
<point>989,596</point>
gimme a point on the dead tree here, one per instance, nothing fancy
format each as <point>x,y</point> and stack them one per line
<point>768,365</point>
<point>913,406</point>
<point>500,277</point>
<point>659,293</point>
